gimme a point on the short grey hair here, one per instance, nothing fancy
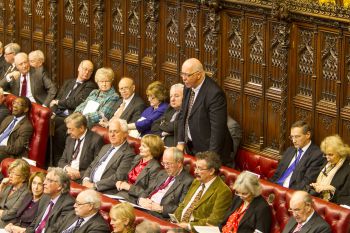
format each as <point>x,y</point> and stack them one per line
<point>147,227</point>
<point>248,182</point>
<point>38,54</point>
<point>104,72</point>
<point>123,124</point>
<point>177,86</point>
<point>13,48</point>
<point>63,178</point>
<point>78,120</point>
<point>178,155</point>
<point>92,197</point>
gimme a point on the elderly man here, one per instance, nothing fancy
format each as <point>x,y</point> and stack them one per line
<point>55,203</point>
<point>170,186</point>
<point>301,163</point>
<point>86,216</point>
<point>208,198</point>
<point>3,63</point>
<point>166,126</point>
<point>203,116</point>
<point>36,59</point>
<point>305,218</point>
<point>147,226</point>
<point>11,50</point>
<point>16,130</point>
<point>113,162</point>
<point>81,148</point>
<point>29,82</point>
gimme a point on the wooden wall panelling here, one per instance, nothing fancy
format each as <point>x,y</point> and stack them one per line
<point>51,39</point>
<point>344,113</point>
<point>2,21</point>
<point>11,22</point>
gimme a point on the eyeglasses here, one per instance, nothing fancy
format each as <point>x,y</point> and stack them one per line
<point>168,164</point>
<point>6,54</point>
<point>187,75</point>
<point>50,180</point>
<point>79,204</point>
<point>200,169</point>
<point>242,194</point>
<point>18,104</point>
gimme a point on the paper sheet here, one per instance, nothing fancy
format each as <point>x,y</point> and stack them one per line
<point>91,106</point>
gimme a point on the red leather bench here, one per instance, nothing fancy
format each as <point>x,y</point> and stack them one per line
<point>40,118</point>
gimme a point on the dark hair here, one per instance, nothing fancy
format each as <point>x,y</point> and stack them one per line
<point>27,102</point>
<point>302,124</point>
<point>212,159</point>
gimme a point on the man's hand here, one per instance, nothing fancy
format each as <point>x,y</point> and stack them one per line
<point>74,174</point>
<point>122,185</point>
<point>53,102</point>
<point>88,184</point>
<point>14,74</point>
<point>180,147</point>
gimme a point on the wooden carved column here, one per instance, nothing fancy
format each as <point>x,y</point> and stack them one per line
<point>11,25</point>
<point>98,24</point>
<point>53,33</point>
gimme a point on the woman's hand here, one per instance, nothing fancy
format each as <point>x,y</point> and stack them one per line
<point>322,187</point>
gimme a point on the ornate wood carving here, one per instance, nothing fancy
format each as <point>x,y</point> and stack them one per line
<point>117,25</point>
<point>172,34</point>
<point>27,9</point>
<point>190,28</point>
<point>53,33</point>
<point>12,20</point>
<point>133,22</point>
<point>98,23</point>
<point>69,18</point>
<point>256,51</point>
<point>83,20</point>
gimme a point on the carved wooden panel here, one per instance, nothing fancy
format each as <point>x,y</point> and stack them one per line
<point>190,30</point>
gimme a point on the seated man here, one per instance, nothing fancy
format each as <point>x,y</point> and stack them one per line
<point>16,130</point>
<point>208,198</point>
<point>11,50</point>
<point>81,148</point>
<point>113,162</point>
<point>169,188</point>
<point>301,163</point>
<point>166,125</point>
<point>55,203</point>
<point>86,216</point>
<point>29,82</point>
<point>305,218</point>
<point>4,112</point>
<point>37,59</point>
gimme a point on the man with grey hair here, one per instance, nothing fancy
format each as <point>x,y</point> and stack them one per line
<point>55,203</point>
<point>11,50</point>
<point>36,59</point>
<point>166,126</point>
<point>113,162</point>
<point>170,186</point>
<point>86,216</point>
<point>147,227</point>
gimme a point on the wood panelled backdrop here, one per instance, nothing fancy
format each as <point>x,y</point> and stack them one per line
<point>278,60</point>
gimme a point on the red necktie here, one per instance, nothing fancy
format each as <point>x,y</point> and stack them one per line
<point>24,86</point>
<point>42,224</point>
<point>162,186</point>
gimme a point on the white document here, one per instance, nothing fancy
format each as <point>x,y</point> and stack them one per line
<point>206,229</point>
<point>134,205</point>
<point>90,107</point>
<point>2,230</point>
<point>31,162</point>
<point>173,218</point>
<point>113,197</point>
<point>345,206</point>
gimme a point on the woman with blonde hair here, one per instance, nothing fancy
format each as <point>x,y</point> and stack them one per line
<point>122,218</point>
<point>333,182</point>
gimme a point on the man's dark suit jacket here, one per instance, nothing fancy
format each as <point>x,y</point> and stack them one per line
<point>207,120</point>
<point>143,180</point>
<point>258,216</point>
<point>116,169</point>
<point>316,224</point>
<point>134,109</point>
<point>18,142</point>
<point>76,97</point>
<point>175,194</point>
<point>3,66</point>
<point>63,206</point>
<point>42,87</point>
<point>95,224</point>
<point>91,147</point>
<point>306,170</point>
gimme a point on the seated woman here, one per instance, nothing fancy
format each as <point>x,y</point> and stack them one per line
<point>144,168</point>
<point>100,103</point>
<point>122,218</point>
<point>14,188</point>
<point>157,94</point>
<point>27,208</point>
<point>249,211</point>
<point>333,182</point>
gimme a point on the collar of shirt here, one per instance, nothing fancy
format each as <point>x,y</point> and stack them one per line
<point>207,185</point>
<point>304,149</point>
<point>127,101</point>
<point>83,136</point>
<point>55,199</point>
<point>19,118</point>
<point>308,218</point>
<point>196,89</point>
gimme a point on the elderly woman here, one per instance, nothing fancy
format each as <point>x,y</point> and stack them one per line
<point>122,218</point>
<point>144,168</point>
<point>333,182</point>
<point>156,94</point>
<point>100,103</point>
<point>27,208</point>
<point>249,211</point>
<point>14,188</point>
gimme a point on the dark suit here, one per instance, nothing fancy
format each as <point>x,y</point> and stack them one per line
<point>207,121</point>
<point>42,87</point>
<point>175,193</point>
<point>257,216</point>
<point>116,169</point>
<point>89,151</point>
<point>316,224</point>
<point>143,180</point>
<point>62,207</point>
<point>306,170</point>
<point>18,141</point>
<point>236,135</point>
<point>133,111</point>
<point>95,224</point>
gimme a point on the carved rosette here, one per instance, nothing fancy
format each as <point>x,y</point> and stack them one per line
<point>53,31</point>
<point>98,23</point>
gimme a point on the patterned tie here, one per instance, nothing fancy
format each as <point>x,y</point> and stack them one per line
<point>77,149</point>
<point>162,186</point>
<point>298,228</point>
<point>42,224</point>
<point>187,214</point>
<point>104,157</point>
<point>72,229</point>
<point>290,169</point>
<point>24,86</point>
<point>120,110</point>
<point>190,104</point>
<point>8,130</point>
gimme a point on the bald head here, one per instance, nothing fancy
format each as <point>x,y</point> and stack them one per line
<point>301,206</point>
<point>85,70</point>
<point>126,87</point>
<point>192,73</point>
<point>87,203</point>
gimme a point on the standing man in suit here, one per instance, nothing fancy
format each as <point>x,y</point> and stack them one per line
<point>203,116</point>
<point>29,82</point>
<point>301,163</point>
<point>170,186</point>
<point>81,148</point>
<point>86,216</point>
<point>305,218</point>
<point>208,198</point>
<point>11,50</point>
<point>16,130</point>
<point>113,162</point>
<point>130,105</point>
<point>55,203</point>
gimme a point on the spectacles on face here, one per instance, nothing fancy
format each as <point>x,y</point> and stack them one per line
<point>167,164</point>
<point>200,169</point>
<point>80,204</point>
<point>187,75</point>
<point>6,54</point>
<point>241,194</point>
<point>18,104</point>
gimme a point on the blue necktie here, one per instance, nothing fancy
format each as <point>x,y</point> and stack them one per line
<point>290,169</point>
<point>8,130</point>
<point>104,157</point>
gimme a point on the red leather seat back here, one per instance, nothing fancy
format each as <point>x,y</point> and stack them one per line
<point>189,163</point>
<point>40,118</point>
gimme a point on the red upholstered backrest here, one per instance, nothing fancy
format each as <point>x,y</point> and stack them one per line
<point>40,118</point>
<point>259,164</point>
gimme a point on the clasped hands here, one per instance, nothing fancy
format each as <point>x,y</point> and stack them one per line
<point>122,185</point>
<point>322,187</point>
<point>150,205</point>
